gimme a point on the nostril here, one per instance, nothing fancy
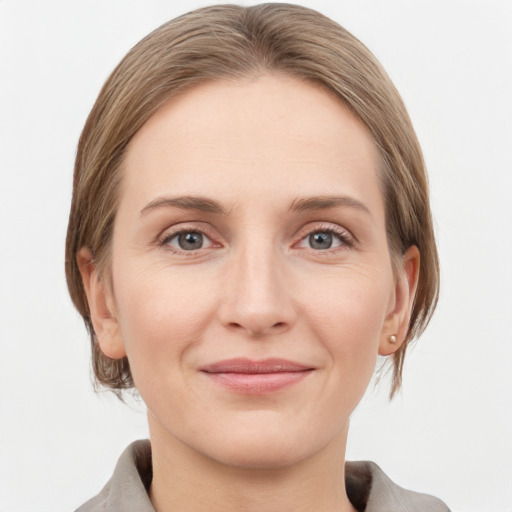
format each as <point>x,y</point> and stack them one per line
<point>257,330</point>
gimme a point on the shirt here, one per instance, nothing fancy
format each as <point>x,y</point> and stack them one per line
<point>368,488</point>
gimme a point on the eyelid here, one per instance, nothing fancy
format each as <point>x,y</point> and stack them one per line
<point>348,239</point>
<point>186,227</point>
<point>346,236</point>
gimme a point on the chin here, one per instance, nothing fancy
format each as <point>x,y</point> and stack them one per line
<point>262,445</point>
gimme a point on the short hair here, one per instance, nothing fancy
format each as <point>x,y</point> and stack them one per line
<point>232,42</point>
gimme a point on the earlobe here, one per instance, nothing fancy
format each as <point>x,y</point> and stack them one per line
<point>101,307</point>
<point>396,325</point>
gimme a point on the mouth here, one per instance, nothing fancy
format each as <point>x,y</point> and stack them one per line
<point>245,376</point>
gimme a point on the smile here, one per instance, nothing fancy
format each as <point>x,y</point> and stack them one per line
<point>256,377</point>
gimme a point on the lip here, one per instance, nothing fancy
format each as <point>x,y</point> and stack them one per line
<point>246,376</point>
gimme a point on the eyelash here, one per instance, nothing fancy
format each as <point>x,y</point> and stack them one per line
<point>347,240</point>
<point>165,240</point>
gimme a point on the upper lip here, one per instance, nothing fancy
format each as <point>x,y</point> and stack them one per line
<point>248,366</point>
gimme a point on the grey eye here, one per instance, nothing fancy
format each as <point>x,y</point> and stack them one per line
<point>320,240</point>
<point>186,241</point>
<point>190,241</point>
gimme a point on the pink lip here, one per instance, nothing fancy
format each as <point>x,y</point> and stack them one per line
<point>256,377</point>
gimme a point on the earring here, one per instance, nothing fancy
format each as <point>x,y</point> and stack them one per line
<point>392,339</point>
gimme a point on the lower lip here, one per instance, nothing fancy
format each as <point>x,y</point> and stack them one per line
<point>257,383</point>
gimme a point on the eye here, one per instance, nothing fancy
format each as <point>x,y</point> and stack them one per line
<point>324,239</point>
<point>187,241</point>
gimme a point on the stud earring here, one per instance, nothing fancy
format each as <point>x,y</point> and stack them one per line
<point>392,339</point>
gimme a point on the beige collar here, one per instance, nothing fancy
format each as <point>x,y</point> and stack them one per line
<point>368,488</point>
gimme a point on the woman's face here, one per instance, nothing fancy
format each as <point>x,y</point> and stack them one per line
<point>251,282</point>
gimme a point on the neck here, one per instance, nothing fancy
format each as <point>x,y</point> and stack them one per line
<point>184,479</point>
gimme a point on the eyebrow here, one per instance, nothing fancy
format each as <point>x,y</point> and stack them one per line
<point>201,204</point>
<point>326,202</point>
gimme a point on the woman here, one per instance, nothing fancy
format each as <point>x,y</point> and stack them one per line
<point>250,228</point>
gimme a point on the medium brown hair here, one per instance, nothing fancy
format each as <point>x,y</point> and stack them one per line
<point>230,42</point>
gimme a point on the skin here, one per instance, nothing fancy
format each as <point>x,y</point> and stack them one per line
<point>257,288</point>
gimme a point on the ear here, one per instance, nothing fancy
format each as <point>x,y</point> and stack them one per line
<point>101,307</point>
<point>401,303</point>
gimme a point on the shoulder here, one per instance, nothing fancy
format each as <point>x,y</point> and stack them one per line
<point>127,488</point>
<point>371,490</point>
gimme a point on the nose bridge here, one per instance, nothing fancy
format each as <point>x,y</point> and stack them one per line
<point>257,298</point>
<point>258,275</point>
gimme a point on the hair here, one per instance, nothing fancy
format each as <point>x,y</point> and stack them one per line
<point>227,42</point>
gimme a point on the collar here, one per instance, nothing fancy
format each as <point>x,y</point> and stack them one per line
<point>368,487</point>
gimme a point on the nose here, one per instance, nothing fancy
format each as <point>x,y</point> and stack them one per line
<point>257,297</point>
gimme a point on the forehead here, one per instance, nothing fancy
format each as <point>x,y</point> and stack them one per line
<point>271,134</point>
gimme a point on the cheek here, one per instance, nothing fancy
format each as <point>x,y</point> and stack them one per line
<point>348,314</point>
<point>161,314</point>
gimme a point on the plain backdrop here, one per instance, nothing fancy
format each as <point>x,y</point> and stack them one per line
<point>448,433</point>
